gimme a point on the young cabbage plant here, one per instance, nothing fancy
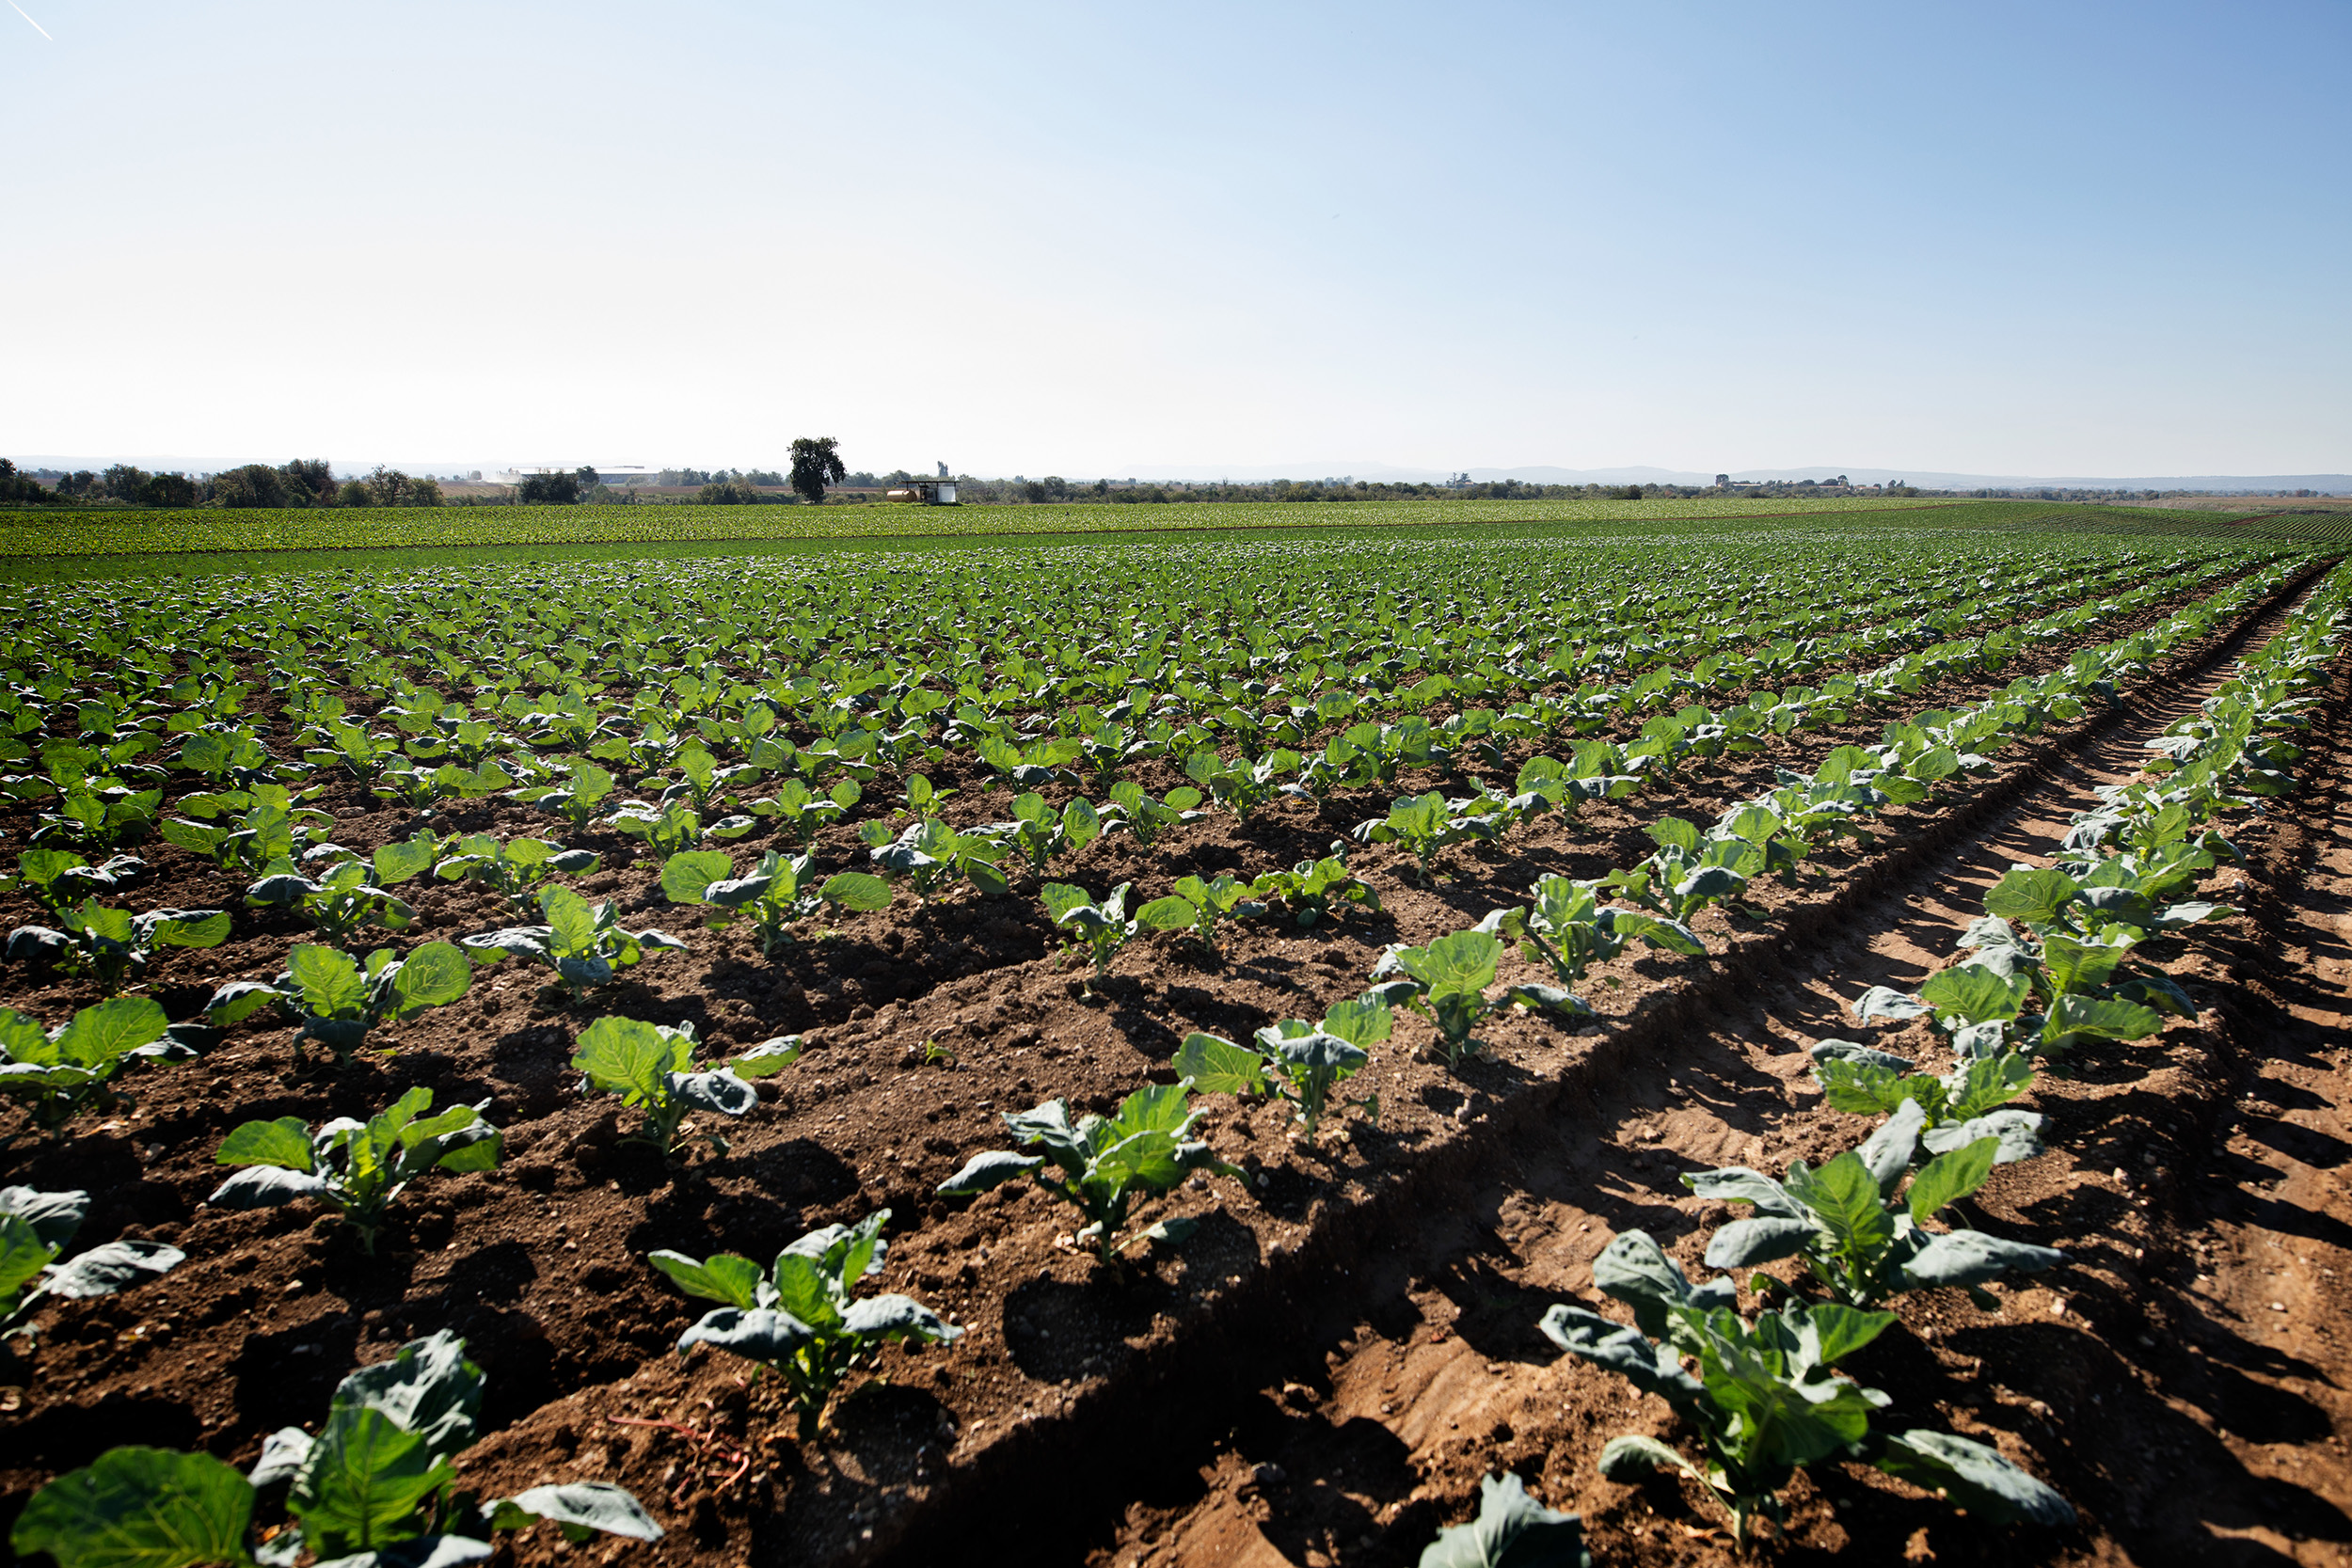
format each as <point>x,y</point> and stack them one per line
<point>57,878</point>
<point>34,1227</point>
<point>57,1072</point>
<point>1040,833</point>
<point>1862,1235</point>
<point>114,946</point>
<point>584,945</point>
<point>1196,907</point>
<point>1512,1531</point>
<point>672,826</point>
<point>1986,1000</point>
<point>578,800</point>
<point>921,797</point>
<point>1295,1060</point>
<point>652,1067</point>
<point>358,1168</point>
<point>930,856</point>
<point>1031,768</point>
<point>517,868</point>
<point>335,999</point>
<point>1103,1165</point>
<point>1565,926</point>
<point>801,811</point>
<point>375,1487</point>
<point>1241,785</point>
<point>1424,824</point>
<point>1687,872</point>
<point>265,825</point>
<point>1130,808</point>
<point>1969,1102</point>
<point>344,897</point>
<point>800,1315</point>
<point>772,893</point>
<point>1318,889</point>
<point>1447,982</point>
<point>1762,1400</point>
<point>98,819</point>
<point>2051,903</point>
<point>1101,928</point>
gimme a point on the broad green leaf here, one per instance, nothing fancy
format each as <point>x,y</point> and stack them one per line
<point>582,1506</point>
<point>1948,1178</point>
<point>686,876</point>
<point>193,928</point>
<point>855,889</point>
<point>1219,1067</point>
<point>1172,913</point>
<point>139,1508</point>
<point>1975,994</point>
<point>2033,897</point>
<point>801,1289</point>
<point>1512,1531</point>
<point>396,863</point>
<point>1845,1199</point>
<point>23,1255</point>
<point>723,1277</point>
<point>329,981</point>
<point>984,1171</point>
<point>104,1034</point>
<point>1363,1022</point>
<point>1839,1331</point>
<point>284,1143</point>
<point>1974,1477</point>
<point>433,976</point>
<point>2101,1017</point>
<point>625,1056</point>
<point>364,1482</point>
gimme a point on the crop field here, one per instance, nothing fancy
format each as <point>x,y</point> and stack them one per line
<point>1792,1037</point>
<point>38,534</point>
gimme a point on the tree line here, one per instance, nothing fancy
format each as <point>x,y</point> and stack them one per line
<point>305,482</point>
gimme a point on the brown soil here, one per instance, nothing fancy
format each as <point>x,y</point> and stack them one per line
<point>540,1264</point>
<point>2179,1378</point>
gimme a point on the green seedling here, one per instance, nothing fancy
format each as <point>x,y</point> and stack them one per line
<point>1860,1230</point>
<point>798,1316</point>
<point>1295,1060</point>
<point>34,1227</point>
<point>772,894</point>
<point>1102,1164</point>
<point>336,999</point>
<point>1447,981</point>
<point>1197,906</point>
<point>584,945</point>
<point>375,1487</point>
<point>652,1067</point>
<point>358,1168</point>
<point>114,946</point>
<point>1761,1397</point>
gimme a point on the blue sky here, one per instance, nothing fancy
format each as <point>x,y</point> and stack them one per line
<point>1087,240</point>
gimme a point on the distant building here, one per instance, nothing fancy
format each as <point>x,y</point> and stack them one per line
<point>926,492</point>
<point>1723,482</point>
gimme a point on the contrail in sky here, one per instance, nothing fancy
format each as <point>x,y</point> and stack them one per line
<point>37,26</point>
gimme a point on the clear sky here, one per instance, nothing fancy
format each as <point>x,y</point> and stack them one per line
<point>2036,238</point>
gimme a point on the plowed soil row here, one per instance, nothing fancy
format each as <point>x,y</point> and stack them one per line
<point>540,1263</point>
<point>2181,1377</point>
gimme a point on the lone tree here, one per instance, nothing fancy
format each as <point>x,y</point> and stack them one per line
<point>815,463</point>
<point>555,489</point>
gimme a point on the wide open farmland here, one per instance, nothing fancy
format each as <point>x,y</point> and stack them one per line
<point>1848,1006</point>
